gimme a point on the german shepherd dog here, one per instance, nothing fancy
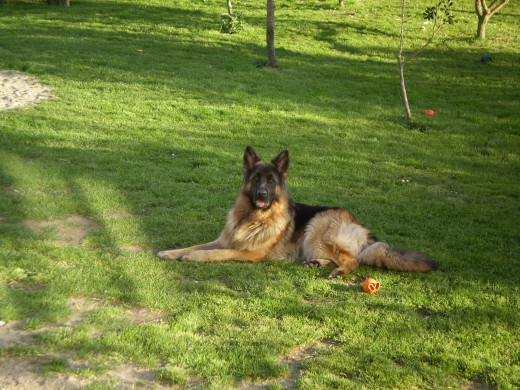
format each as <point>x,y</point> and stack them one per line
<point>265,224</point>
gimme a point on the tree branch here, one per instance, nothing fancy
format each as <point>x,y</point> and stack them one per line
<point>435,29</point>
<point>493,4</point>
<point>484,5</point>
<point>499,7</point>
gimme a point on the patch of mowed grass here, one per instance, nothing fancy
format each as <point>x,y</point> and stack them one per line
<point>153,110</point>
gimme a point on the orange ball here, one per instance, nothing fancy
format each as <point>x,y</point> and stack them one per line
<point>370,286</point>
<point>429,112</point>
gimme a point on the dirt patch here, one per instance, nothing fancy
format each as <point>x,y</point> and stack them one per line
<point>477,384</point>
<point>12,334</point>
<point>294,359</point>
<point>143,316</point>
<point>69,231</point>
<point>80,307</point>
<point>19,90</point>
<point>22,374</point>
<point>128,376</point>
<point>136,315</point>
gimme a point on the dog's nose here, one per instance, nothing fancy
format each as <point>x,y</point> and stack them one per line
<point>261,192</point>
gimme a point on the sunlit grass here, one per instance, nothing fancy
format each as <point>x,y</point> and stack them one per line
<point>153,110</point>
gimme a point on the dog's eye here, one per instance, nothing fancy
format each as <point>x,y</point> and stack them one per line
<point>270,180</point>
<point>256,179</point>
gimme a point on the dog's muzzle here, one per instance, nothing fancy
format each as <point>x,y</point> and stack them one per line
<point>261,199</point>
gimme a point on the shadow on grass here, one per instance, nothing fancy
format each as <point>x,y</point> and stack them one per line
<point>160,191</point>
<point>161,185</point>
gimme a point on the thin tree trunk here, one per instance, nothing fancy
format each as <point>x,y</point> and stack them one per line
<point>401,62</point>
<point>341,3</point>
<point>229,8</point>
<point>271,54</point>
<point>482,24</point>
<point>404,94</point>
<point>229,18</point>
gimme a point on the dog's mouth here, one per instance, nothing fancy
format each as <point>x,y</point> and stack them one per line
<point>262,204</point>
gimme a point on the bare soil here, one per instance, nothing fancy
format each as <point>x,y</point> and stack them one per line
<point>26,374</point>
<point>18,90</point>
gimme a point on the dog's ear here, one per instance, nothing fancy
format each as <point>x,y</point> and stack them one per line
<point>250,159</point>
<point>282,162</point>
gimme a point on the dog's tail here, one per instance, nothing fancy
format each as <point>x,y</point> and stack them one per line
<point>379,254</point>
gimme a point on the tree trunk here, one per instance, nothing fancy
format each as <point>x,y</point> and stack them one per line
<point>404,94</point>
<point>229,17</point>
<point>229,8</point>
<point>341,3</point>
<point>482,23</point>
<point>271,54</point>
<point>484,13</point>
<point>401,62</point>
<point>65,3</point>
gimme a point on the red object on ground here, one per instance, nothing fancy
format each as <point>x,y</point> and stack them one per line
<point>371,286</point>
<point>429,112</point>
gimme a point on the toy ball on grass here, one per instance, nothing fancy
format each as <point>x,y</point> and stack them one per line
<point>370,286</point>
<point>429,112</point>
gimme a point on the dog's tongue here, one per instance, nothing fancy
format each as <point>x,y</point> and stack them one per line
<point>260,204</point>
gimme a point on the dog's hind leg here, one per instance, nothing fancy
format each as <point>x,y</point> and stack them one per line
<point>318,263</point>
<point>334,237</point>
<point>332,254</point>
<point>346,263</point>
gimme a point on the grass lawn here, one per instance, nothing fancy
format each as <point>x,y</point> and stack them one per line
<point>141,149</point>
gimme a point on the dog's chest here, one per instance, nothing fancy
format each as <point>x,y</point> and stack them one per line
<point>258,235</point>
<point>256,232</point>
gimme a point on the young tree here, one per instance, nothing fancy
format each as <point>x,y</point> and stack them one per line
<point>271,53</point>
<point>485,12</point>
<point>231,23</point>
<point>438,15</point>
<point>229,8</point>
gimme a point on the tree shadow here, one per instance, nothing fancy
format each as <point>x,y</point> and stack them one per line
<point>160,187</point>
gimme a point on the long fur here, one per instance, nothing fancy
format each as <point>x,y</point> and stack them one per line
<point>265,224</point>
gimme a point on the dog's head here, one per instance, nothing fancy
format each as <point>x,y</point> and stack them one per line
<point>264,182</point>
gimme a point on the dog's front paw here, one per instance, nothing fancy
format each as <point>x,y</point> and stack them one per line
<point>170,255</point>
<point>194,256</point>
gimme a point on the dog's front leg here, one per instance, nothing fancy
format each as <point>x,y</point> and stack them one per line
<point>177,254</point>
<point>224,255</point>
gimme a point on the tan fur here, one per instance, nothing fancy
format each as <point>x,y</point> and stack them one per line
<point>330,236</point>
<point>249,235</point>
<point>335,236</point>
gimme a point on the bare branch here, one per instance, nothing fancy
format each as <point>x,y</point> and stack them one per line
<point>478,8</point>
<point>499,7</point>
<point>484,5</point>
<point>421,49</point>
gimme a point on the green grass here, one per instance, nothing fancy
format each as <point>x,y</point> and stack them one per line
<point>153,110</point>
